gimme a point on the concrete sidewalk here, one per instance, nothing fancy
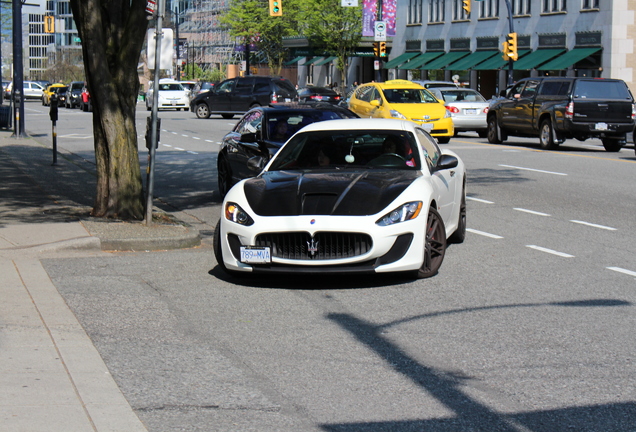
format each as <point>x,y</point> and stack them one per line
<point>52,377</point>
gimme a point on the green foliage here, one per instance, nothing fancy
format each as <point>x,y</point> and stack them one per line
<point>194,72</point>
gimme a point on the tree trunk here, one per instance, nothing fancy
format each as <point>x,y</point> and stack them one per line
<point>112,34</point>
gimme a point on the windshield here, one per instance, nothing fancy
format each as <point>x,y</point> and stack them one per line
<point>170,87</point>
<point>599,89</point>
<point>328,150</point>
<point>461,96</point>
<point>409,96</point>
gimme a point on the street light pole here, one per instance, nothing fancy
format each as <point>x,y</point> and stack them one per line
<point>18,71</point>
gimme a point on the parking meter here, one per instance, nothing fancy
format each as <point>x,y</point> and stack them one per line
<point>53,110</point>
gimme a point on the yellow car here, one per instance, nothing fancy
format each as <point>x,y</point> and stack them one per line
<point>55,89</point>
<point>402,99</point>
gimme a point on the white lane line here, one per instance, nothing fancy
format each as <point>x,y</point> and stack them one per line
<point>479,200</point>
<point>550,251</point>
<point>174,133</point>
<point>594,225</point>
<point>210,141</point>
<point>531,212</point>
<point>532,169</point>
<point>192,152</point>
<point>166,145</point>
<point>622,270</point>
<point>485,234</point>
<point>185,136</point>
<point>196,138</point>
<point>179,148</point>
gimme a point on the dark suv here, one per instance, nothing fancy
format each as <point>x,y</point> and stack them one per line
<point>74,94</point>
<point>237,95</point>
<point>557,108</point>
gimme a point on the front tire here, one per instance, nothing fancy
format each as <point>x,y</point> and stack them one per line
<point>546,136</point>
<point>434,246</point>
<point>494,133</point>
<point>443,140</point>
<point>202,111</point>
<point>612,145</point>
<point>224,176</point>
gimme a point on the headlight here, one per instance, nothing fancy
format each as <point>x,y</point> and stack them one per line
<point>396,114</point>
<point>234,213</point>
<point>403,213</point>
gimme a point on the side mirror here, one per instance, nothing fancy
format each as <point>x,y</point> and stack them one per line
<point>375,103</point>
<point>248,137</point>
<point>446,162</point>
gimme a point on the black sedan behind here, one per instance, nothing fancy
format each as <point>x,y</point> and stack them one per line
<point>319,94</point>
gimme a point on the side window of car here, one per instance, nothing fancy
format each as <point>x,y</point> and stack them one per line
<point>261,85</point>
<point>530,90</point>
<point>429,148</point>
<point>516,90</point>
<point>244,86</point>
<point>226,86</point>
<point>364,93</point>
<point>551,88</point>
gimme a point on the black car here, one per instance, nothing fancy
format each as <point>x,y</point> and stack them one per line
<point>74,94</point>
<point>319,94</point>
<point>261,132</point>
<point>237,95</point>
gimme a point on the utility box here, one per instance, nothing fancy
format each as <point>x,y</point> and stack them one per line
<point>5,117</point>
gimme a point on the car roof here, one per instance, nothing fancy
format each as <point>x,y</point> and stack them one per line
<point>361,124</point>
<point>392,84</point>
<point>303,106</point>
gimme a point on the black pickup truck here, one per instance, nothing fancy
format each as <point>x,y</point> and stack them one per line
<point>559,108</point>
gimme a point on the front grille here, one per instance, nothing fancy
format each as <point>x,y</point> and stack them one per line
<point>323,246</point>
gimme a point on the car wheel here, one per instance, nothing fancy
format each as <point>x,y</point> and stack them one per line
<point>443,140</point>
<point>546,136</point>
<point>494,132</point>
<point>460,233</point>
<point>202,111</point>
<point>434,246</point>
<point>227,116</point>
<point>224,176</point>
<point>612,145</point>
<point>218,253</point>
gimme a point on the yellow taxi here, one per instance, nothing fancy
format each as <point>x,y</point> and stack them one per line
<point>402,99</point>
<point>54,89</point>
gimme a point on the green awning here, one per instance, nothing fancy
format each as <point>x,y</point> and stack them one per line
<point>471,60</point>
<point>419,61</point>
<point>325,61</point>
<point>537,58</point>
<point>568,59</point>
<point>445,60</point>
<point>313,60</point>
<point>497,62</point>
<point>400,59</point>
<point>296,60</point>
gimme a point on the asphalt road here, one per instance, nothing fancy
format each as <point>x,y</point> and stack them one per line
<point>529,326</point>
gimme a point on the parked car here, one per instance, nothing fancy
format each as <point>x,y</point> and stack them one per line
<point>468,108</point>
<point>85,100</point>
<point>171,95</point>
<point>30,90</point>
<point>401,99</point>
<point>59,90</point>
<point>332,200</point>
<point>237,95</point>
<point>321,94</point>
<point>557,108</point>
<point>74,94</point>
<point>432,83</point>
<point>262,131</point>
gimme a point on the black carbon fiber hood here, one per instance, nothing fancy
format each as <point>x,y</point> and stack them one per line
<point>342,193</point>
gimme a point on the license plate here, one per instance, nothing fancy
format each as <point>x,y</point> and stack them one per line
<point>255,255</point>
<point>173,102</point>
<point>470,111</point>
<point>601,126</point>
<point>427,126</point>
<point>288,100</point>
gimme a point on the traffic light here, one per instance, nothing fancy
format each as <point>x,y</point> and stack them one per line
<point>49,24</point>
<point>382,49</point>
<point>466,6</point>
<point>276,7</point>
<point>376,49</point>
<point>510,47</point>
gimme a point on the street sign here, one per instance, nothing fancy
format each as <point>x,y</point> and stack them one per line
<point>349,3</point>
<point>379,31</point>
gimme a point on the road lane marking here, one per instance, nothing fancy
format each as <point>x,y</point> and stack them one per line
<point>166,145</point>
<point>531,211</point>
<point>192,152</point>
<point>479,200</point>
<point>210,141</point>
<point>594,225</point>
<point>550,251</point>
<point>179,148</point>
<point>485,234</point>
<point>622,270</point>
<point>196,138</point>
<point>532,169</point>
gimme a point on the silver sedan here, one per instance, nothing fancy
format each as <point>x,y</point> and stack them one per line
<point>467,107</point>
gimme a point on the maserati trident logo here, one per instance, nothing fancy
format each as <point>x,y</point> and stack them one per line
<point>312,247</point>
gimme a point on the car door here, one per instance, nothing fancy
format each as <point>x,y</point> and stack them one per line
<point>242,144</point>
<point>219,99</point>
<point>508,107</point>
<point>360,103</point>
<point>241,96</point>
<point>525,106</point>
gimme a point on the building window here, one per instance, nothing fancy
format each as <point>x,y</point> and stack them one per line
<point>589,4</point>
<point>520,7</point>
<point>489,9</point>
<point>415,12</point>
<point>459,14</point>
<point>436,12</point>
<point>553,6</point>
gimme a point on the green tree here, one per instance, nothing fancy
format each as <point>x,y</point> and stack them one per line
<point>112,34</point>
<point>334,28</point>
<point>250,21</point>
